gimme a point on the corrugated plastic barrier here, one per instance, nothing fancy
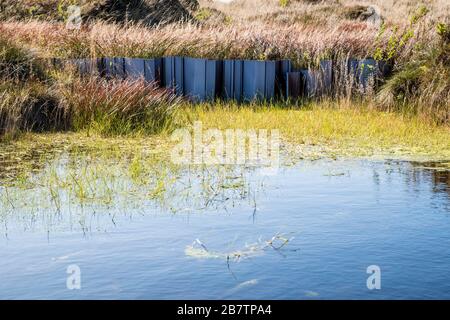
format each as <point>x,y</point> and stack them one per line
<point>202,79</point>
<point>247,80</point>
<point>240,80</point>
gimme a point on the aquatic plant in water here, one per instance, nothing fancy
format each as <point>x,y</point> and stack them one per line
<point>70,187</point>
<point>199,250</point>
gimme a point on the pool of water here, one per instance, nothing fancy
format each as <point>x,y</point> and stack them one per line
<point>310,231</point>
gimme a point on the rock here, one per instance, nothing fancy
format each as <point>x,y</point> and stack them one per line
<point>373,15</point>
<point>370,14</point>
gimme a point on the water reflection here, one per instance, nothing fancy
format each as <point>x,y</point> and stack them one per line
<point>309,231</point>
<point>64,189</point>
<point>436,172</point>
<point>85,191</point>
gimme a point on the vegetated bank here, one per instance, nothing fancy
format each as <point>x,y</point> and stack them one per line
<point>412,104</point>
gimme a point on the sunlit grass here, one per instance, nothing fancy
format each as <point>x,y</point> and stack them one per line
<point>328,129</point>
<point>342,129</point>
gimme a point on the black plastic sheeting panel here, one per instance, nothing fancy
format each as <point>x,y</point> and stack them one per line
<point>232,79</point>
<point>258,80</point>
<point>283,68</point>
<point>173,77</point>
<point>368,72</point>
<point>248,80</point>
<point>134,68</point>
<point>148,69</point>
<point>240,80</point>
<point>198,79</point>
<point>202,79</point>
<point>113,67</point>
<point>326,76</point>
<point>153,70</point>
<point>310,83</point>
<point>295,85</point>
<point>85,66</point>
<point>303,83</point>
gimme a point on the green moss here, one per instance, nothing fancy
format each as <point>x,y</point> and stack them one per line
<point>203,14</point>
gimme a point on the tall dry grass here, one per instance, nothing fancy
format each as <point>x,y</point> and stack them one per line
<point>30,107</point>
<point>252,41</point>
<point>324,12</point>
<point>32,100</point>
<point>304,42</point>
<point>421,85</point>
<point>117,107</point>
<point>303,31</point>
<point>26,100</point>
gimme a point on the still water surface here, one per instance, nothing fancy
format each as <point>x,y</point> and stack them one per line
<point>308,232</point>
